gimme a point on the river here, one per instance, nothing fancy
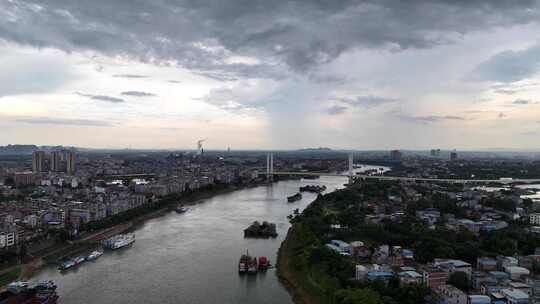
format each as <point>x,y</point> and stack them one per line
<point>193,257</point>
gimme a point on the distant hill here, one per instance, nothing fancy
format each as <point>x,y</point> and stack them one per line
<point>320,149</point>
<point>27,149</point>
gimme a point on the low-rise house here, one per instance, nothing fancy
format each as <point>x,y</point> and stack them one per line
<point>514,296</point>
<point>517,273</point>
<point>379,275</point>
<point>521,287</point>
<point>359,249</point>
<point>455,265</point>
<point>410,276</point>
<point>449,294</point>
<point>478,299</point>
<point>505,261</point>
<point>433,276</point>
<point>341,245</point>
<point>486,264</point>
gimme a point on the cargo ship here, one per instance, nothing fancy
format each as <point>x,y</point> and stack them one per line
<point>313,188</point>
<point>119,241</point>
<point>26,293</point>
<point>247,264</point>
<point>294,198</point>
<point>94,255</point>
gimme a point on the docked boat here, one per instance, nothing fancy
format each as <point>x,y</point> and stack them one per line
<point>263,263</point>
<point>17,287</point>
<point>294,198</point>
<point>66,265</point>
<point>252,266</point>
<point>79,260</point>
<point>243,263</point>
<point>247,264</point>
<point>23,292</point>
<point>94,255</point>
<point>119,241</point>
<point>181,209</point>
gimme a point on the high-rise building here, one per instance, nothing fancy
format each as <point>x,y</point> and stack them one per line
<point>70,162</point>
<point>435,152</point>
<point>55,161</point>
<point>38,161</point>
<point>453,155</point>
<point>395,155</point>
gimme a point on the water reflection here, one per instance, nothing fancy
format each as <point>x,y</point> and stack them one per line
<point>193,257</point>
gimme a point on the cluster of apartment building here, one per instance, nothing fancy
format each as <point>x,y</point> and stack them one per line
<point>498,280</point>
<point>53,195</point>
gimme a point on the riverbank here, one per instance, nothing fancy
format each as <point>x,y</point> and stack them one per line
<point>90,240</point>
<point>9,275</point>
<point>289,278</point>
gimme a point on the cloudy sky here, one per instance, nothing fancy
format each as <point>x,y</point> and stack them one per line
<point>271,74</point>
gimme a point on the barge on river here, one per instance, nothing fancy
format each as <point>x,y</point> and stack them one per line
<point>294,198</point>
<point>119,241</point>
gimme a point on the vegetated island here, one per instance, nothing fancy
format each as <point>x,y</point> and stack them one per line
<point>258,230</point>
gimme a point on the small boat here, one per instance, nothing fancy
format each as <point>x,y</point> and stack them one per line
<point>294,198</point>
<point>23,292</point>
<point>66,265</point>
<point>181,209</point>
<point>94,255</point>
<point>263,263</point>
<point>252,266</point>
<point>243,263</point>
<point>79,260</point>
<point>17,287</point>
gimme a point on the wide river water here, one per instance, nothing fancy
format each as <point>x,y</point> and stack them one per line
<point>193,257</point>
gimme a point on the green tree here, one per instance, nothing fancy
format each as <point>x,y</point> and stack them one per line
<point>357,296</point>
<point>460,280</point>
<point>535,267</point>
<point>9,181</point>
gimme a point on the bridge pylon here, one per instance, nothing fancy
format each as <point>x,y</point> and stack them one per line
<point>351,165</point>
<point>270,167</point>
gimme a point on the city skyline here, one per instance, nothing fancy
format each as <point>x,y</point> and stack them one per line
<point>249,75</point>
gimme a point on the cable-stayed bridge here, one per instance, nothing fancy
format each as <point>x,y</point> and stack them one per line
<point>351,176</point>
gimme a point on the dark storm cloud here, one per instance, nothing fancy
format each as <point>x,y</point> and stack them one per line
<point>129,76</point>
<point>506,91</point>
<point>138,94</point>
<point>429,119</point>
<point>63,121</point>
<point>227,99</point>
<point>509,66</point>
<point>335,110</point>
<point>102,98</point>
<point>367,101</point>
<point>523,102</point>
<point>283,34</point>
